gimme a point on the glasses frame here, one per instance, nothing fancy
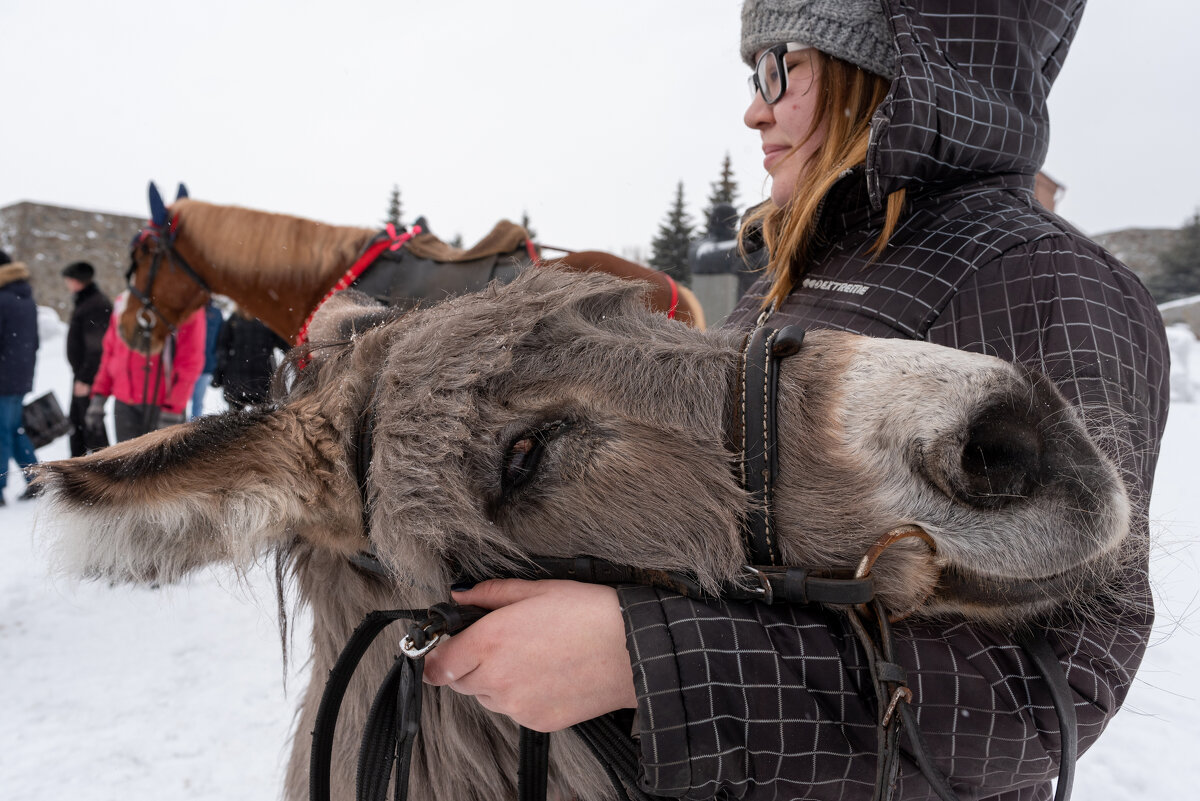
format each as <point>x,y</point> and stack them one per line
<point>778,52</point>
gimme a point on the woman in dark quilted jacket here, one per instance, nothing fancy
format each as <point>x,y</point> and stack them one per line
<point>902,138</point>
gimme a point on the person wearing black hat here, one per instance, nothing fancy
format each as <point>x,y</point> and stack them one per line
<point>18,355</point>
<point>85,338</point>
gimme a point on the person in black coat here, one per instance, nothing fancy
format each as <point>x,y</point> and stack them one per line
<point>244,363</point>
<point>18,355</point>
<point>85,338</point>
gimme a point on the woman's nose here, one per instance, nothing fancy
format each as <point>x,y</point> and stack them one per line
<point>758,113</point>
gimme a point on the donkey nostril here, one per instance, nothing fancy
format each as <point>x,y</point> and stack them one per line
<point>1000,459</point>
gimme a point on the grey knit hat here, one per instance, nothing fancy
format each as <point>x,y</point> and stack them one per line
<point>853,30</point>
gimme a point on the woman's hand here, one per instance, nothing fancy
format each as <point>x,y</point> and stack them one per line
<point>551,655</point>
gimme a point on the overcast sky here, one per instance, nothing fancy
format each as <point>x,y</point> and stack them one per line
<point>583,115</point>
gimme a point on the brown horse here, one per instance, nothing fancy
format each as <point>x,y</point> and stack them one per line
<point>555,416</point>
<point>278,268</point>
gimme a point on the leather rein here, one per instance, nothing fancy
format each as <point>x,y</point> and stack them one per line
<point>394,719</point>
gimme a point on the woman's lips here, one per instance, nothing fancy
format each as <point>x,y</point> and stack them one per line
<point>772,154</point>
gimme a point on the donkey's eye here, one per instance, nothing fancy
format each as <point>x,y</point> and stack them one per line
<point>524,454</point>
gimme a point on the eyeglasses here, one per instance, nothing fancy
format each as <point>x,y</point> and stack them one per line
<point>770,76</point>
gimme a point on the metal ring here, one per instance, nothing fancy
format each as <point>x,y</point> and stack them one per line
<point>146,317</point>
<point>882,544</point>
<point>886,541</point>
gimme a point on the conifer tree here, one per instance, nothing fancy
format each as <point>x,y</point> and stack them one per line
<point>724,190</point>
<point>1179,274</point>
<point>395,210</point>
<point>669,250</point>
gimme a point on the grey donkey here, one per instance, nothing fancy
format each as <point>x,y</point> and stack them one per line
<point>627,412</point>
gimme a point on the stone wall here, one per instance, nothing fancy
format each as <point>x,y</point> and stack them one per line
<point>48,238</point>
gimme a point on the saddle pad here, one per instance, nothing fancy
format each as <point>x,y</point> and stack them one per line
<point>403,280</point>
<point>505,237</point>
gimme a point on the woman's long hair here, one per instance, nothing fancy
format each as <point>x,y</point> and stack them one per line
<point>847,100</point>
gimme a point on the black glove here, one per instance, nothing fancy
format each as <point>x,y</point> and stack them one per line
<point>94,416</point>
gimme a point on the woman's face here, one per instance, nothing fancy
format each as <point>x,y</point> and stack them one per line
<point>784,124</point>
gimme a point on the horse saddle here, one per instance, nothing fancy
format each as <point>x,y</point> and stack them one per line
<point>427,270</point>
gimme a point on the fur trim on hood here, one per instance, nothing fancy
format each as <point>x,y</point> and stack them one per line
<point>14,271</point>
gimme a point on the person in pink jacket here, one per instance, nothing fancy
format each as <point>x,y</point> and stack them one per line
<point>148,393</point>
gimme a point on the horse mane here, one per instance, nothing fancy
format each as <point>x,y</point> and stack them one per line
<point>294,249</point>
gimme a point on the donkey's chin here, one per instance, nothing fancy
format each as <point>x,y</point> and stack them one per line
<point>1008,599</point>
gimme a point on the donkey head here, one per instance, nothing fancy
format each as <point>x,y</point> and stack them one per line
<point>1022,510</point>
<point>557,417</point>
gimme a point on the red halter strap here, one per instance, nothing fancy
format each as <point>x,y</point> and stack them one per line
<point>389,241</point>
<point>531,249</point>
<point>674,297</point>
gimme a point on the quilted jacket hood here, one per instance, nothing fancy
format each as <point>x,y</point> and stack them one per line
<point>969,99</point>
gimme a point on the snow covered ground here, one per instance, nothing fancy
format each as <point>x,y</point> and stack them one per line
<point>179,694</point>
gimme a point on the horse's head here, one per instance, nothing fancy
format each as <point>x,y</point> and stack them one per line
<point>557,417</point>
<point>164,286</point>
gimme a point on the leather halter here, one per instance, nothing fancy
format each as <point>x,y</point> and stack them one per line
<point>163,245</point>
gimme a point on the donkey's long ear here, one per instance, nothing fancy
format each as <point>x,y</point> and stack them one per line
<point>181,192</point>
<point>226,488</point>
<point>158,209</point>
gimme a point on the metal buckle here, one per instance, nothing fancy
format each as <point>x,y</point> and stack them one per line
<point>410,649</point>
<point>764,586</point>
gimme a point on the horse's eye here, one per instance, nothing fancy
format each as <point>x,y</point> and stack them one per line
<point>524,454</point>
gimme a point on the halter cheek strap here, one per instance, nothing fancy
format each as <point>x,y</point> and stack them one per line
<point>761,365</point>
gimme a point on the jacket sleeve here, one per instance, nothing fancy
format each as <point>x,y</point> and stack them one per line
<point>75,345</point>
<point>775,702</point>
<point>190,348</point>
<point>92,326</point>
